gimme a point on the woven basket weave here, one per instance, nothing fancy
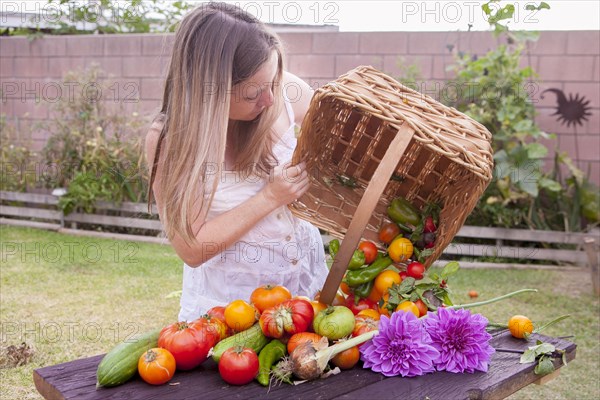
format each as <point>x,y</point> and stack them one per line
<point>349,128</point>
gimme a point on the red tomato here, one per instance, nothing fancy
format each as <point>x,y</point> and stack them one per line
<point>269,296</point>
<point>415,270</point>
<point>188,342</point>
<point>370,251</point>
<point>363,304</point>
<point>364,325</point>
<point>238,365</point>
<point>302,337</point>
<point>214,325</point>
<point>291,316</point>
<point>388,232</point>
<point>217,312</point>
<point>422,307</point>
<point>403,275</point>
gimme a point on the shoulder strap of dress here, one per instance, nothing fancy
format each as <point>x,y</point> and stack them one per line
<point>288,107</point>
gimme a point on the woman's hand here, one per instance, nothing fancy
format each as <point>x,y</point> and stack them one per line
<point>286,183</point>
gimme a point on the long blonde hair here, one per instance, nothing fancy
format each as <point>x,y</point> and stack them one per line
<point>217,46</point>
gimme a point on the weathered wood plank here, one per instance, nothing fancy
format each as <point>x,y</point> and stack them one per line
<point>30,224</point>
<point>29,212</point>
<point>126,206</point>
<point>524,253</point>
<point>76,380</point>
<point>29,197</point>
<point>114,221</point>
<point>525,235</point>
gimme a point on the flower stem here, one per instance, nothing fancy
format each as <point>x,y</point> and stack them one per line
<point>495,299</point>
<point>551,323</point>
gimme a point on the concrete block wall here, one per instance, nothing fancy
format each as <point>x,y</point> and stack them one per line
<point>134,65</point>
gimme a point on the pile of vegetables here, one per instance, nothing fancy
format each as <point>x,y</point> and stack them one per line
<point>276,336</point>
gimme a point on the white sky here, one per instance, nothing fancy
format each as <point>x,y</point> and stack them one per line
<point>429,15</point>
<point>401,15</point>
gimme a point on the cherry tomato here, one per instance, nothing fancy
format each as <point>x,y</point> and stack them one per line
<point>415,270</point>
<point>408,306</point>
<point>403,275</point>
<point>238,365</point>
<point>422,307</point>
<point>400,250</point>
<point>386,279</point>
<point>363,304</point>
<point>302,337</point>
<point>347,358</point>
<point>239,315</point>
<point>473,294</point>
<point>345,288</point>
<point>429,225</point>
<point>374,296</point>
<point>269,296</point>
<point>156,366</point>
<point>388,232</point>
<point>520,326</point>
<point>370,251</point>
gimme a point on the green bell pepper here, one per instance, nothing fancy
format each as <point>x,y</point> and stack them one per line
<point>402,212</point>
<point>364,275</point>
<point>334,247</point>
<point>357,260</point>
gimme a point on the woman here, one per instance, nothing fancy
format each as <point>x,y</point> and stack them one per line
<point>219,155</point>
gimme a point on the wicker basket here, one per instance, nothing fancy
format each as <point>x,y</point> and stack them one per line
<point>367,139</point>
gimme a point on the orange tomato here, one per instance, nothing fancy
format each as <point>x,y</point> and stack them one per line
<point>318,306</point>
<point>520,326</point>
<point>345,288</point>
<point>473,294</point>
<point>374,296</point>
<point>347,358</point>
<point>156,366</point>
<point>268,296</point>
<point>239,315</point>
<point>422,307</point>
<point>408,306</point>
<point>339,299</point>
<point>400,250</point>
<point>302,337</point>
<point>370,313</point>
<point>383,308</point>
<point>386,279</point>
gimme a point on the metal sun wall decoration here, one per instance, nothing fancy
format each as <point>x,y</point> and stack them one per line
<point>573,110</point>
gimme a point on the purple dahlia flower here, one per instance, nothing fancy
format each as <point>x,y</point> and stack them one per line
<point>402,347</point>
<point>461,339</point>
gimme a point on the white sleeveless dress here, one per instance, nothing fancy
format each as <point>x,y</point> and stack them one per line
<point>280,250</point>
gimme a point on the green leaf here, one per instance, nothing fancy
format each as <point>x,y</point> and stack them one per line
<point>449,269</point>
<point>544,366</point>
<point>407,285</point>
<point>527,357</point>
<point>536,150</point>
<point>550,184</point>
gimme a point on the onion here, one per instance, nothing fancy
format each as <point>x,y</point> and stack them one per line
<point>309,360</point>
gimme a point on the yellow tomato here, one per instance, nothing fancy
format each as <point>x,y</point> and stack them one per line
<point>369,313</point>
<point>240,315</point>
<point>400,249</point>
<point>520,326</point>
<point>386,279</point>
<point>408,306</point>
<point>375,295</point>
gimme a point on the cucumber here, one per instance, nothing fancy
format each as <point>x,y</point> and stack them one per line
<point>252,337</point>
<point>120,364</point>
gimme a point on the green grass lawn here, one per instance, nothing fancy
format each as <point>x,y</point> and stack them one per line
<point>71,297</point>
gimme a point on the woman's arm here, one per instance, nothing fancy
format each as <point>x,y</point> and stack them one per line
<point>287,184</point>
<point>300,101</point>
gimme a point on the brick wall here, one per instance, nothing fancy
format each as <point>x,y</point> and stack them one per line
<point>134,65</point>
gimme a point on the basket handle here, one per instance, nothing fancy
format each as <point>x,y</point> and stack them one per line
<point>365,209</point>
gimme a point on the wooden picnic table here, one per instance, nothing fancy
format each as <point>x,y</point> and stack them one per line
<point>77,380</point>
